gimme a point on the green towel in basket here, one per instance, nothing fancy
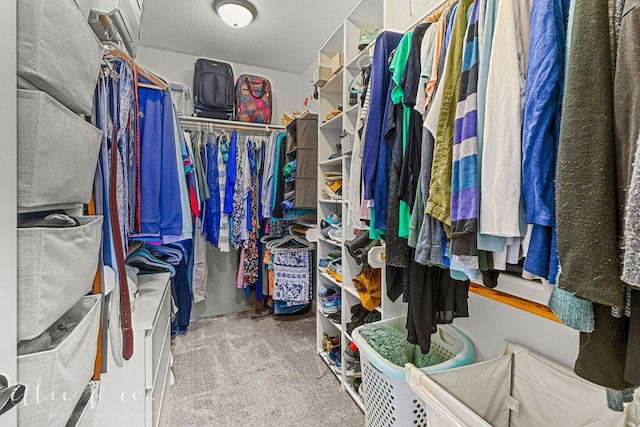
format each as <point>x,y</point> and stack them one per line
<point>391,343</point>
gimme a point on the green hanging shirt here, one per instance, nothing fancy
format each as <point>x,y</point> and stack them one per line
<point>397,67</point>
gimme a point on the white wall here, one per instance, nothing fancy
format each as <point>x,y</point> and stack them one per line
<point>401,14</point>
<point>8,249</point>
<point>178,68</point>
<point>307,86</point>
<point>490,323</point>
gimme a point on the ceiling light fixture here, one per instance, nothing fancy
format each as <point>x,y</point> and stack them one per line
<point>235,13</point>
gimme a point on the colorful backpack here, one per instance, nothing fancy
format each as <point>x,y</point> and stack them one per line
<point>253,99</point>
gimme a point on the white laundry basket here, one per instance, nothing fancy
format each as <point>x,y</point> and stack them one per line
<point>56,267</point>
<point>520,388</point>
<point>57,152</point>
<point>55,379</point>
<point>388,399</point>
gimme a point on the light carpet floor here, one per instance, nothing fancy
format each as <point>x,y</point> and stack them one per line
<point>241,371</point>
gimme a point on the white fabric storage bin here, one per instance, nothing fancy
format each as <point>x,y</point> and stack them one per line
<point>520,389</point>
<point>58,52</point>
<point>56,378</point>
<point>56,267</point>
<point>57,152</point>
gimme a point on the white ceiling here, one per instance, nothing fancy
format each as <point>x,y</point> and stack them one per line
<point>285,36</point>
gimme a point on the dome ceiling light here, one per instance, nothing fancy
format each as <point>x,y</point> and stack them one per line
<point>235,13</point>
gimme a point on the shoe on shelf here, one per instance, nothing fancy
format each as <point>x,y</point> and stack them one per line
<point>331,298</point>
<point>334,254</point>
<point>332,305</point>
<point>335,186</point>
<point>333,113</point>
<point>359,246</point>
<point>352,369</point>
<point>333,218</point>
<point>328,342</point>
<point>351,354</point>
<point>352,361</point>
<point>338,272</point>
<point>353,99</point>
<point>373,316</point>
<point>360,316</point>
<point>329,292</point>
<point>335,317</point>
<point>334,354</point>
<point>338,367</point>
<point>357,382</point>
<point>335,269</point>
<point>324,230</point>
<point>366,37</point>
<point>333,178</point>
<point>329,194</point>
<point>323,263</point>
<point>331,268</point>
<point>335,233</point>
<point>326,227</point>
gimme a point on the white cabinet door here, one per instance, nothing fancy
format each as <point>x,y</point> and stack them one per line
<point>8,210</point>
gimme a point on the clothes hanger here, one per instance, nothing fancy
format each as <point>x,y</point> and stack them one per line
<point>118,52</point>
<point>277,245</point>
<point>269,239</point>
<point>273,241</point>
<point>437,14</point>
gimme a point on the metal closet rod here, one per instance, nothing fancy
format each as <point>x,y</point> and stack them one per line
<point>229,124</point>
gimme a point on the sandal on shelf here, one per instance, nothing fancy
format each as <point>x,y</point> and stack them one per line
<point>333,113</point>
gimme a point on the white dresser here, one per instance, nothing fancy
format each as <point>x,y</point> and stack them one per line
<point>137,393</point>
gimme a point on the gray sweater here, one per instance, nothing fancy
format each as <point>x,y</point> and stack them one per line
<point>631,266</point>
<point>585,187</point>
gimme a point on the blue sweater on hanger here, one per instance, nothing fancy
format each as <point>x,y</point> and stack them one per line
<point>161,208</point>
<point>374,136</point>
<point>541,132</point>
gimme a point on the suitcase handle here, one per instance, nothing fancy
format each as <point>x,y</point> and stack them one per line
<point>251,91</point>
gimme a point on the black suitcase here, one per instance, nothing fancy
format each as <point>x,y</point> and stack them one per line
<point>213,89</point>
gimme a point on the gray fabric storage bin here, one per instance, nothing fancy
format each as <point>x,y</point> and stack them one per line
<point>85,7</point>
<point>56,267</point>
<point>58,52</point>
<point>67,368</point>
<point>57,152</point>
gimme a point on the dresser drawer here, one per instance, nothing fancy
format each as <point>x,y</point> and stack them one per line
<point>160,391</point>
<point>157,338</point>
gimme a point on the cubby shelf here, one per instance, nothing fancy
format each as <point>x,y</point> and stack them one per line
<point>329,241</point>
<point>336,161</point>
<point>367,14</point>
<point>333,123</point>
<point>330,278</point>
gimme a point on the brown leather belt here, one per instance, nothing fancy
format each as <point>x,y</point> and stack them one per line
<point>125,303</point>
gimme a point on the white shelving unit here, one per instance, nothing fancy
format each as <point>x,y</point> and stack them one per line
<point>367,14</point>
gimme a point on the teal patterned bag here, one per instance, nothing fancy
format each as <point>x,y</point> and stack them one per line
<point>253,99</point>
